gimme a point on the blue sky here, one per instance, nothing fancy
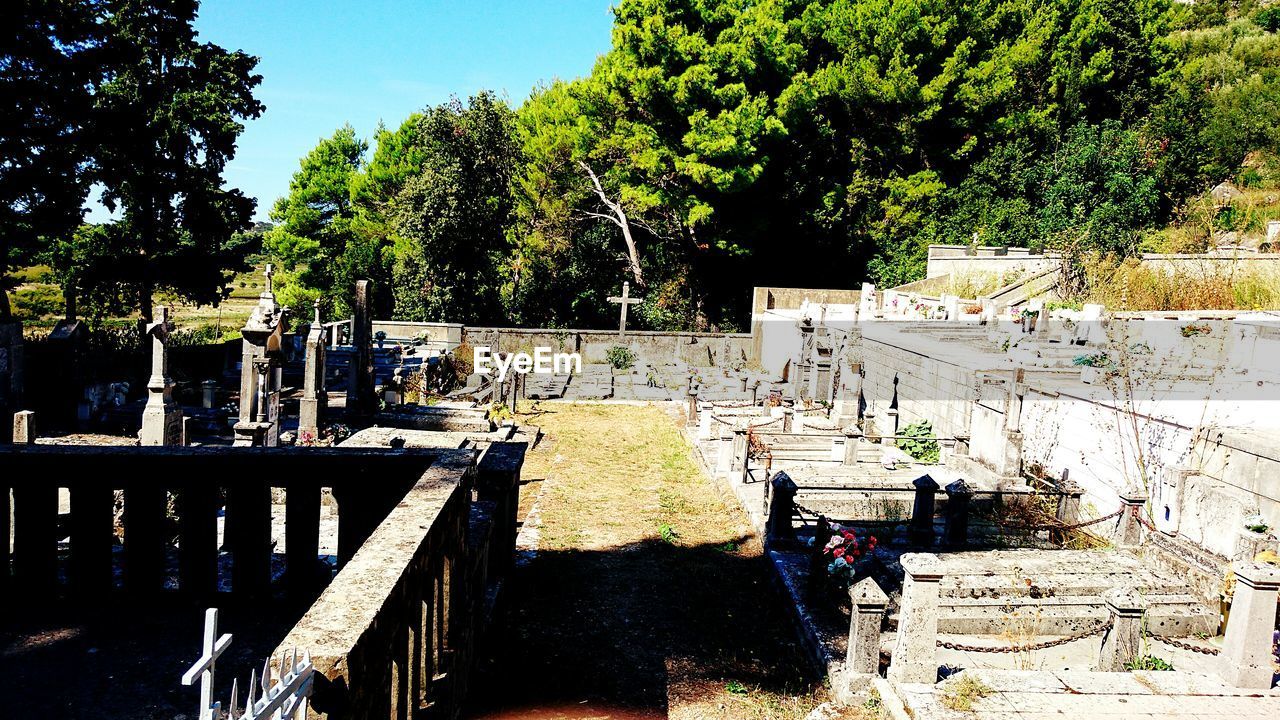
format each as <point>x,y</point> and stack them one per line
<point>327,63</point>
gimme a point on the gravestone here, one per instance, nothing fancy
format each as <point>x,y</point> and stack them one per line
<point>867,301</point>
<point>162,417</point>
<point>259,420</point>
<point>314,397</point>
<point>10,375</point>
<point>624,301</point>
<point>362,398</point>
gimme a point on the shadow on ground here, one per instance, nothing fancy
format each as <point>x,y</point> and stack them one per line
<point>640,630</point>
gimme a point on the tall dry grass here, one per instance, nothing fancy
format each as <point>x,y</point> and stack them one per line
<point>1130,285</point>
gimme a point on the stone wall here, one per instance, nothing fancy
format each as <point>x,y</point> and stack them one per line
<point>925,388</point>
<point>963,260</point>
<point>687,347</point>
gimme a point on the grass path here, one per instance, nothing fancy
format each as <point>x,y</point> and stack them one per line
<point>648,598</point>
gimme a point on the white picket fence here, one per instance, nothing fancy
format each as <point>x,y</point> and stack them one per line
<point>280,693</point>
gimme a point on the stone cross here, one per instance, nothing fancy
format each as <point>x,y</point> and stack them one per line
<point>213,647</point>
<point>162,416</point>
<point>624,300</point>
<point>268,274</point>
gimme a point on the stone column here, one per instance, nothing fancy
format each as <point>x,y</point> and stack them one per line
<point>788,418</point>
<point>778,528</point>
<point>1249,543</point>
<point>1122,643</point>
<point>862,661</point>
<point>209,394</point>
<point>740,451</point>
<point>162,417</point>
<point>10,371</point>
<point>24,428</point>
<point>361,397</point>
<point>959,494</point>
<point>262,335</point>
<point>694,418</point>
<point>852,439</point>
<point>704,421</point>
<point>1069,502</point>
<point>314,397</point>
<point>1128,532</point>
<point>914,652</point>
<point>921,531</point>
<point>1246,649</point>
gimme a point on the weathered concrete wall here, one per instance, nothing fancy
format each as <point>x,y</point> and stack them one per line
<point>690,348</point>
<point>925,388</point>
<point>956,259</point>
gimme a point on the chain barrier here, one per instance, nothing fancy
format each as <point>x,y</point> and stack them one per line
<point>1186,646</point>
<point>806,411</point>
<point>1025,648</point>
<point>750,426</point>
<point>806,510</point>
<point>1055,526</point>
<point>731,406</point>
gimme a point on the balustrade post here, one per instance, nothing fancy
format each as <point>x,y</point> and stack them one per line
<point>778,527</point>
<point>959,497</point>
<point>1123,640</point>
<point>914,652</point>
<point>1246,650</point>
<point>921,530</point>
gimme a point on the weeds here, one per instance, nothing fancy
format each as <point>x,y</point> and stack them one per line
<point>960,693</point>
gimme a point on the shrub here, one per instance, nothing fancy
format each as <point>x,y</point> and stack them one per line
<point>1148,662</point>
<point>1268,18</point>
<point>207,334</point>
<point>918,442</point>
<point>620,357</point>
<point>959,694</point>
<point>37,302</point>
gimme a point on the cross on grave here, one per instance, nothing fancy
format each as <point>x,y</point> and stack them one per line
<point>268,273</point>
<point>624,300</point>
<point>209,710</point>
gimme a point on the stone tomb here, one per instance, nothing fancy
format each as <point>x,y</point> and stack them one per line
<point>260,372</point>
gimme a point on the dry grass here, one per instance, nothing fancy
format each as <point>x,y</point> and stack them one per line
<point>649,592</point>
<point>961,693</point>
<point>1129,285</point>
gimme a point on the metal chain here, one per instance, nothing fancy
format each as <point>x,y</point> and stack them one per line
<point>1142,519</point>
<point>806,510</point>
<point>730,406</point>
<point>1052,526</point>
<point>1186,646</point>
<point>806,411</point>
<point>1025,648</point>
<point>734,423</point>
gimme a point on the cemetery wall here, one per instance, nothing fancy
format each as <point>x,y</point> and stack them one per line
<point>687,347</point>
<point>956,259</point>
<point>921,387</point>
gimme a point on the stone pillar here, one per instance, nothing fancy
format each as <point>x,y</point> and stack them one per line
<point>914,652</point>
<point>361,398</point>
<point>209,394</point>
<point>891,421</point>
<point>1013,403</point>
<point>852,439</point>
<point>921,531</point>
<point>1246,649</point>
<point>315,400</point>
<point>24,428</point>
<point>740,451</point>
<point>788,416</point>
<point>704,422</point>
<point>162,417</point>
<point>263,333</point>
<point>778,528</point>
<point>862,661</point>
<point>10,372</point>
<point>959,495</point>
<point>1122,643</point>
<point>1249,544</point>
<point>694,417</point>
<point>1069,502</point>
<point>1128,532</point>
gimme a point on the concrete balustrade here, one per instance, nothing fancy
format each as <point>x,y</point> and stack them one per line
<point>862,661</point>
<point>1122,642</point>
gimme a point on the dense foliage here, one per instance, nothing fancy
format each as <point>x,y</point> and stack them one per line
<point>719,144</point>
<point>818,143</point>
<point>121,95</point>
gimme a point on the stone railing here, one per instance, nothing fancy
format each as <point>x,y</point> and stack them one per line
<point>168,501</point>
<point>394,634</point>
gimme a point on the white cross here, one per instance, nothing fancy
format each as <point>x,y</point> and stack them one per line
<point>203,667</point>
<point>271,270</point>
<point>624,301</point>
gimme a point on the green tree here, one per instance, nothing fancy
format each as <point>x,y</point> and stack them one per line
<point>320,237</point>
<point>45,79</point>
<point>450,219</point>
<point>164,124</point>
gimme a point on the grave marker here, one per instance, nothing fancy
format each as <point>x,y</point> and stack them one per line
<point>624,300</point>
<point>162,417</point>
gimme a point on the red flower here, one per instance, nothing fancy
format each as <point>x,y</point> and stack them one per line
<point>838,552</point>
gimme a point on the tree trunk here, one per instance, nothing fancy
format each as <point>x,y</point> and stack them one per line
<point>618,217</point>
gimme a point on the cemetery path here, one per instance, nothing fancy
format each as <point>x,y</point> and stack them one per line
<point>648,597</point>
